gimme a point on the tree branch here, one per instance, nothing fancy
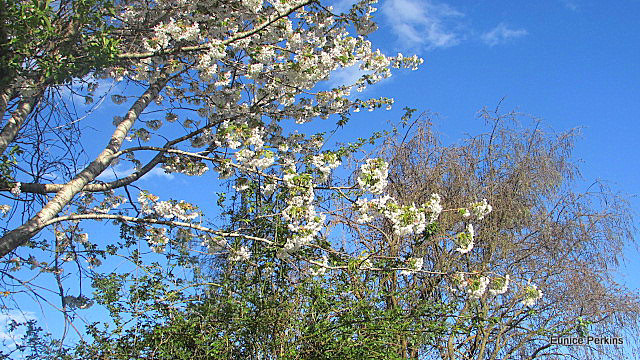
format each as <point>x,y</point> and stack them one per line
<point>14,238</point>
<point>16,120</point>
<point>157,222</point>
<point>5,97</point>
<point>236,37</point>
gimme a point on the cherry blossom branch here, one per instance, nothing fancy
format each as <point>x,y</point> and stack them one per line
<point>38,188</point>
<point>157,222</point>
<point>206,46</point>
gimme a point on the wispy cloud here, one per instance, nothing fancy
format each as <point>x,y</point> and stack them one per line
<point>345,76</point>
<point>8,338</point>
<point>502,34</point>
<point>119,171</point>
<point>423,23</point>
<point>340,6</point>
<point>570,4</point>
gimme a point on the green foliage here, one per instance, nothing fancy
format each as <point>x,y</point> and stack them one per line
<point>7,165</point>
<point>259,313</point>
<point>55,45</point>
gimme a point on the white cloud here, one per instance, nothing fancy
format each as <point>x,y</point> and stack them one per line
<point>501,34</point>
<point>11,339</point>
<point>423,23</point>
<point>570,4</point>
<point>341,6</point>
<point>345,76</point>
<point>119,171</point>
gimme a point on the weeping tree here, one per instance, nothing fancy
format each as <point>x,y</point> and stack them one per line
<point>563,240</point>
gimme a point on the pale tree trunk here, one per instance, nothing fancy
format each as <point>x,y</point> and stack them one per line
<point>5,97</point>
<point>14,238</point>
<point>10,130</point>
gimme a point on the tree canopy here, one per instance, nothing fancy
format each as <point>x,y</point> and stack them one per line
<point>311,250</point>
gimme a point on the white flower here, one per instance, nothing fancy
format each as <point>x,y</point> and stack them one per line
<point>242,254</point>
<point>82,238</point>
<point>157,239</point>
<point>4,209</point>
<point>477,286</point>
<point>434,207</point>
<point>481,209</point>
<point>464,240</point>
<point>499,285</point>
<point>406,220</point>
<point>531,295</point>
<point>16,189</point>
<point>373,176</point>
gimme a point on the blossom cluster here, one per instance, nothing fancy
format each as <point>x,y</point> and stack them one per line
<point>300,212</point>
<point>165,33</point>
<point>184,165</point>
<point>531,295</point>
<point>157,239</point>
<point>242,254</point>
<point>4,209</point>
<point>373,175</point>
<point>464,240</point>
<point>16,189</point>
<point>325,163</point>
<point>406,219</point>
<point>499,285</point>
<point>474,285</point>
<point>478,209</point>
<point>180,210</point>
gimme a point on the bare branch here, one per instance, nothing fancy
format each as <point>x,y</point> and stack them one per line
<point>14,238</point>
<point>156,222</point>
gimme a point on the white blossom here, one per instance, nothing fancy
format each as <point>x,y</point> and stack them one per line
<point>477,286</point>
<point>4,209</point>
<point>16,189</point>
<point>464,240</point>
<point>481,209</point>
<point>242,254</point>
<point>373,176</point>
<point>157,239</point>
<point>531,295</point>
<point>499,286</point>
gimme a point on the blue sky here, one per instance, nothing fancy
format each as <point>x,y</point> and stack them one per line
<point>572,63</point>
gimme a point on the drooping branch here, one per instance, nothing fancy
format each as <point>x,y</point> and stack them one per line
<point>14,238</point>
